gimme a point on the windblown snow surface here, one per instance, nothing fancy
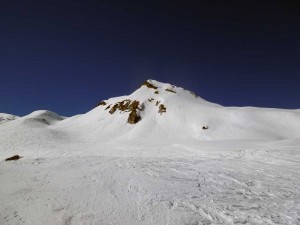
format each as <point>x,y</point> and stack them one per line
<point>6,117</point>
<point>167,168</point>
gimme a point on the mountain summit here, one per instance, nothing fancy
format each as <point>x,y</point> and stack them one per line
<point>150,97</point>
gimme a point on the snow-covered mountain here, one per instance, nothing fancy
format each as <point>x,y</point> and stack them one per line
<point>164,110</point>
<point>4,117</point>
<point>163,113</point>
<point>161,155</point>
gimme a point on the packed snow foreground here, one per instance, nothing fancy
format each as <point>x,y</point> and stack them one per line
<point>161,155</point>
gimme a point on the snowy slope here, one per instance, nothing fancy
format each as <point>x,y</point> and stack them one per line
<point>4,118</point>
<point>184,118</point>
<point>180,123</point>
<point>160,168</point>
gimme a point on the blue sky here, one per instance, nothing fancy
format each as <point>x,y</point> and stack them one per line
<point>65,56</point>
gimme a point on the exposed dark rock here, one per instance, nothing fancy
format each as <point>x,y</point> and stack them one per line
<point>156,92</point>
<point>15,157</point>
<point>124,105</point>
<point>113,109</point>
<point>101,103</point>
<point>162,109</point>
<point>204,127</point>
<point>129,106</point>
<point>134,105</point>
<point>149,85</point>
<point>133,117</point>
<point>157,103</point>
<point>170,90</point>
<point>150,99</point>
<point>107,107</point>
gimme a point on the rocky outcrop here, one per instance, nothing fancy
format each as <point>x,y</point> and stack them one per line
<point>133,117</point>
<point>149,85</point>
<point>128,106</point>
<point>101,103</point>
<point>170,90</point>
<point>162,109</point>
<point>133,107</point>
<point>113,109</point>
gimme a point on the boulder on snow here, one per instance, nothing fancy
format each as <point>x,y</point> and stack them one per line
<point>15,157</point>
<point>162,109</point>
<point>204,127</point>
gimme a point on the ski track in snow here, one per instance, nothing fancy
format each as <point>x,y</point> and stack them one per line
<point>244,187</point>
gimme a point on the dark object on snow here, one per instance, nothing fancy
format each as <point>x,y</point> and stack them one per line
<point>204,127</point>
<point>156,92</point>
<point>128,105</point>
<point>133,117</point>
<point>149,85</point>
<point>170,90</point>
<point>162,109</point>
<point>101,103</point>
<point>113,109</point>
<point>15,157</point>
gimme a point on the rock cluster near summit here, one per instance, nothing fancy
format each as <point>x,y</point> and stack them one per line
<point>134,107</point>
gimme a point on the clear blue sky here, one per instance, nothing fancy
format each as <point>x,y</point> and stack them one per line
<point>65,56</point>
